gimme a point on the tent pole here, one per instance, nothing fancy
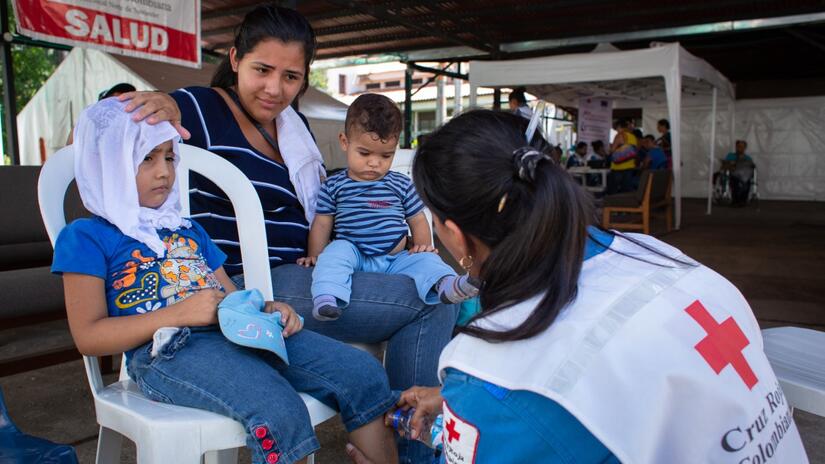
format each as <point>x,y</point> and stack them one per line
<point>712,151</point>
<point>9,99</point>
<point>457,96</point>
<point>473,96</point>
<point>732,123</point>
<point>673,88</point>
<point>440,101</point>
<point>408,114</point>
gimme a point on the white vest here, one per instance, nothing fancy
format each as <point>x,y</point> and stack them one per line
<point>662,365</point>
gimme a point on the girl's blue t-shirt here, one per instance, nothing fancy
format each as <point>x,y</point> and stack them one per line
<point>136,280</point>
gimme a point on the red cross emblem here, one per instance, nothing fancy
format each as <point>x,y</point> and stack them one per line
<point>452,434</point>
<point>723,344</point>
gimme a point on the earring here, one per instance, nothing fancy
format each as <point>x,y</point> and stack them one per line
<point>502,202</point>
<point>466,262</point>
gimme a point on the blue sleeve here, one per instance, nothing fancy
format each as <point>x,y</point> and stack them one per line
<point>191,117</point>
<point>511,426</point>
<point>730,157</point>
<point>326,204</point>
<point>412,202</point>
<point>211,253</point>
<point>81,248</point>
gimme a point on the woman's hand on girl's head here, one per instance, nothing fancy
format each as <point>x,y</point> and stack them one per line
<point>154,107</point>
<point>289,319</point>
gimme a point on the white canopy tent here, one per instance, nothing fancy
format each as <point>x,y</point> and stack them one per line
<point>630,78</point>
<point>46,120</point>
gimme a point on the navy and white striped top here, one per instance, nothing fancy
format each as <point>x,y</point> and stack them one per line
<point>213,127</point>
<point>372,215</point>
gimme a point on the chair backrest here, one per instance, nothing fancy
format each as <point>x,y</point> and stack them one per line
<point>660,188</point>
<point>644,188</point>
<point>403,160</point>
<point>58,172</point>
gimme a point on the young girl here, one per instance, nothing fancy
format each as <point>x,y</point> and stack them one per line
<point>137,266</point>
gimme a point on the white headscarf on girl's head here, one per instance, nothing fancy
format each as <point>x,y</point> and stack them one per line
<point>108,149</point>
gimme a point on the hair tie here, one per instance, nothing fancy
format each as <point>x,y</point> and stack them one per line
<point>525,160</point>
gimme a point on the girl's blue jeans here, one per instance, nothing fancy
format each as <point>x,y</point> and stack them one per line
<point>382,308</point>
<point>200,368</point>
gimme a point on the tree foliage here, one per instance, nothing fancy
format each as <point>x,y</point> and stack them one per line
<point>318,79</point>
<point>32,67</point>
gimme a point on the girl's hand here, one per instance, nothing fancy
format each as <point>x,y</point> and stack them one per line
<point>290,320</point>
<point>423,248</point>
<point>201,308</point>
<point>427,402</point>
<point>308,261</point>
<point>154,107</point>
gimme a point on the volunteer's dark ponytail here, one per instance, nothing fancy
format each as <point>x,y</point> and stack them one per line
<point>479,171</point>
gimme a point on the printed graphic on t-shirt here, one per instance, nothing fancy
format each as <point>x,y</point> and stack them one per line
<point>150,283</point>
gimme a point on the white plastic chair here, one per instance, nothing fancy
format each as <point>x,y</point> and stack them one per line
<point>797,356</point>
<point>402,162</point>
<point>165,433</point>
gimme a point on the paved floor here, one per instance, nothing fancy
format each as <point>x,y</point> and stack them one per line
<point>773,254</point>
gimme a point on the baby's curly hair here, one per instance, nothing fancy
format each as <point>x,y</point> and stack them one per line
<point>376,113</point>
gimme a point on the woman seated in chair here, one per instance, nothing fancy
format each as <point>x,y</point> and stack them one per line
<point>137,267</point>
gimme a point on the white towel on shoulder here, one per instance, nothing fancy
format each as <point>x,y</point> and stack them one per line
<point>302,157</point>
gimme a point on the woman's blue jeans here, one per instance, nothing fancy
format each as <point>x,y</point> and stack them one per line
<point>200,368</point>
<point>382,308</point>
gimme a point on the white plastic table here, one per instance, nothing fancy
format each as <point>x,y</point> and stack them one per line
<point>583,171</point>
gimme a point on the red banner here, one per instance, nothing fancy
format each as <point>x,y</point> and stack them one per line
<point>161,30</point>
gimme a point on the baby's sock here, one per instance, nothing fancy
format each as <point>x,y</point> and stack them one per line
<point>325,308</point>
<point>455,289</point>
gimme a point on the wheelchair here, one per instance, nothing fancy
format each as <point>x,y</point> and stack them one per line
<point>723,190</point>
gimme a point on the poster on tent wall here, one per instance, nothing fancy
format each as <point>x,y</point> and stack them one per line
<point>595,120</point>
<point>161,30</point>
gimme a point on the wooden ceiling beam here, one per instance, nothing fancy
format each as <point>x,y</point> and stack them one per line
<point>392,16</point>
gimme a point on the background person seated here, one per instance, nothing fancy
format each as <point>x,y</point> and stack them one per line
<point>579,157</point>
<point>741,167</point>
<point>602,158</point>
<point>655,157</point>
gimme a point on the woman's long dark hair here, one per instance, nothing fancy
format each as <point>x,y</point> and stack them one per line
<point>268,22</point>
<point>537,239</point>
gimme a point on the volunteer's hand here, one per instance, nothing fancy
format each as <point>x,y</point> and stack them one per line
<point>154,107</point>
<point>427,402</point>
<point>292,323</point>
